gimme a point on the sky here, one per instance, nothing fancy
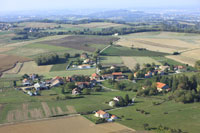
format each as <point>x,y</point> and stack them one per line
<point>18,5</point>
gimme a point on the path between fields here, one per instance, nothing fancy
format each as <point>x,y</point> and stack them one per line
<point>189,50</point>
<point>106,88</point>
<point>105,48</point>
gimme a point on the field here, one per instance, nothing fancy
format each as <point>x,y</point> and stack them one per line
<point>32,67</point>
<point>96,26</point>
<point>8,61</point>
<point>110,60</point>
<point>81,42</point>
<point>168,42</point>
<point>37,49</point>
<point>37,25</point>
<point>132,61</point>
<point>170,114</point>
<point>125,51</point>
<point>69,73</point>
<point>16,69</point>
<point>5,37</point>
<point>64,125</point>
<point>161,41</point>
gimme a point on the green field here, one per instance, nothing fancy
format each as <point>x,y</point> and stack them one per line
<point>110,60</point>
<point>36,49</point>
<point>180,116</point>
<point>69,73</point>
<point>125,51</point>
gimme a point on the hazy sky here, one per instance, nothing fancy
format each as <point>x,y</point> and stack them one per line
<point>12,5</point>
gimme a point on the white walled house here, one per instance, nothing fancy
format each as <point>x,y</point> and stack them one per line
<point>102,114</point>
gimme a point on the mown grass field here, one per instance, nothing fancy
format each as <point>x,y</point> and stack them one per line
<point>69,73</point>
<point>132,61</point>
<point>110,60</point>
<point>125,51</point>
<point>161,41</point>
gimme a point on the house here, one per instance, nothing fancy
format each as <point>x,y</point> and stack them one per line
<point>95,76</point>
<point>180,69</point>
<point>116,34</point>
<point>162,86</point>
<point>26,82</point>
<point>70,79</point>
<point>112,103</point>
<point>56,81</point>
<point>112,67</point>
<point>161,72</point>
<point>83,85</point>
<point>93,82</point>
<point>147,76</point>
<point>113,117</point>
<point>163,68</point>
<point>30,93</point>
<point>40,86</point>
<point>107,76</point>
<point>117,98</point>
<point>102,114</point>
<point>118,75</point>
<point>86,61</point>
<point>84,56</point>
<point>84,66</point>
<point>76,91</point>
<point>32,76</point>
<point>136,74</point>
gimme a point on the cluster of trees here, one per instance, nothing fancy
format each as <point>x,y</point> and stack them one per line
<point>123,86</point>
<point>47,59</point>
<point>123,101</point>
<point>185,89</point>
<point>197,65</point>
<point>148,90</point>
<point>162,129</point>
<point>175,26</point>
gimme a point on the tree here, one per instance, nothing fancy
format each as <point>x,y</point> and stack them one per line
<point>14,83</point>
<point>66,55</point>
<point>127,100</point>
<point>130,76</point>
<point>70,86</point>
<point>137,67</point>
<point>76,55</point>
<point>197,65</point>
<point>86,91</point>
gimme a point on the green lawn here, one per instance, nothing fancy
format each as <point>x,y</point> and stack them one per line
<point>125,51</point>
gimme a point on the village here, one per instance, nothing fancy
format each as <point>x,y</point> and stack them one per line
<point>33,84</point>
